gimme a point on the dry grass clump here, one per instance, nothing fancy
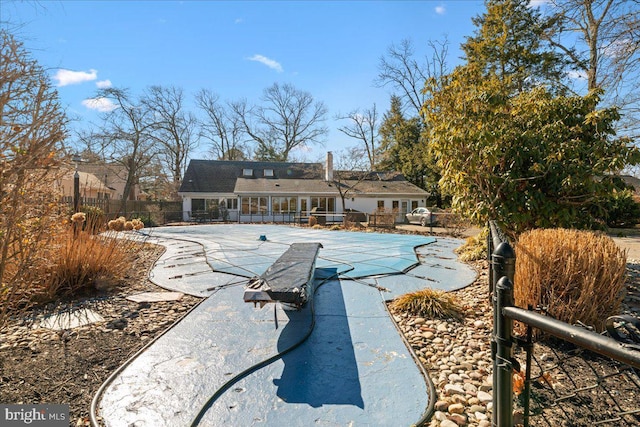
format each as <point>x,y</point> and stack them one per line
<point>117,224</point>
<point>79,262</point>
<point>474,248</point>
<point>428,303</point>
<point>577,276</point>
<point>70,260</point>
<point>121,224</point>
<point>313,221</point>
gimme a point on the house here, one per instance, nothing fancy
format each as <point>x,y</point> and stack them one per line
<point>247,191</point>
<point>113,176</point>
<point>92,190</point>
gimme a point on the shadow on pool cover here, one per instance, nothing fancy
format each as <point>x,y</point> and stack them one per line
<point>323,370</point>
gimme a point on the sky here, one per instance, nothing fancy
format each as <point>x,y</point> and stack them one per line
<point>331,49</point>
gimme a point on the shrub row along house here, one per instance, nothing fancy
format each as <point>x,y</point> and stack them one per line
<point>246,191</point>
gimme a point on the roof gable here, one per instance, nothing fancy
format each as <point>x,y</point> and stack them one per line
<point>220,176</point>
<point>244,177</point>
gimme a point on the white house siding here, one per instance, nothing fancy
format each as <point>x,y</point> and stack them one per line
<point>304,181</point>
<point>369,204</point>
<point>187,203</point>
<point>366,204</point>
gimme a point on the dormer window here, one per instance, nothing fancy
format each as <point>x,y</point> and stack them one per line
<point>268,172</point>
<point>247,172</point>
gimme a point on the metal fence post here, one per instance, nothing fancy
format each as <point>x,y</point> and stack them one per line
<point>502,360</point>
<point>502,273</point>
<point>503,263</point>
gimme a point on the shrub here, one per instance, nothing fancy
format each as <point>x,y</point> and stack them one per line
<point>575,275</point>
<point>32,131</point>
<point>117,224</point>
<point>475,248</point>
<point>428,303</point>
<point>622,209</point>
<point>121,224</point>
<point>79,262</point>
<point>313,221</point>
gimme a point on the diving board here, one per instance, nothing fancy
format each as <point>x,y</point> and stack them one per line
<point>288,280</point>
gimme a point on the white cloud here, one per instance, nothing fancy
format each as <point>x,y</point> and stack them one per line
<point>103,84</point>
<point>274,65</point>
<point>577,75</point>
<point>538,3</point>
<point>238,21</point>
<point>618,48</point>
<point>440,10</point>
<point>103,105</point>
<point>68,77</point>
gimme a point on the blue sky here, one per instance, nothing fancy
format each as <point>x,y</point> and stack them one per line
<point>235,48</point>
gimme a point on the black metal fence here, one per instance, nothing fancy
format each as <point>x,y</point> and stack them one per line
<point>581,379</point>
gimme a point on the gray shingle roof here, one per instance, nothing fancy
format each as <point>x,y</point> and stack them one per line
<point>219,176</point>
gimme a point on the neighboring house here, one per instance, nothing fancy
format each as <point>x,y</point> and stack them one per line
<point>92,190</point>
<point>281,192</point>
<point>113,176</point>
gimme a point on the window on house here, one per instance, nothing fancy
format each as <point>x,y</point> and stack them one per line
<point>395,205</point>
<point>254,205</point>
<point>229,203</point>
<point>197,204</point>
<point>414,204</point>
<point>327,204</point>
<point>247,172</point>
<point>284,204</point>
<point>380,205</point>
<point>268,172</point>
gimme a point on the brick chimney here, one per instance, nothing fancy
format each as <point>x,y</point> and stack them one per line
<point>328,171</point>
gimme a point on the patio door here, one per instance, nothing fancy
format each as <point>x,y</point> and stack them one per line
<point>404,209</point>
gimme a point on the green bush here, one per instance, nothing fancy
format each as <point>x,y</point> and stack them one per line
<point>475,248</point>
<point>622,209</point>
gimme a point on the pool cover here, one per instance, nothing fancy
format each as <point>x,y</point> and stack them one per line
<point>338,361</point>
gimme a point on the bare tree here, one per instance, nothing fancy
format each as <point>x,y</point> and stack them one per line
<point>125,137</point>
<point>173,128</point>
<point>407,75</point>
<point>363,126</point>
<point>222,127</point>
<point>32,130</point>
<point>288,118</point>
<point>350,171</point>
<point>601,38</point>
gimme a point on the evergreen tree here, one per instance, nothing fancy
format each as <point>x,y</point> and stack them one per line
<point>508,44</point>
<point>404,149</point>
<point>513,149</point>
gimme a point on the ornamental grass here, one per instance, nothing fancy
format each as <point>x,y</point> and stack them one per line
<point>79,262</point>
<point>474,248</point>
<point>428,303</point>
<point>575,276</point>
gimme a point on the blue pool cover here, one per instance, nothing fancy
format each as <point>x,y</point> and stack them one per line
<point>339,361</point>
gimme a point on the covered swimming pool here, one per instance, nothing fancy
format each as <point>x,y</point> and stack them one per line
<point>337,361</point>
